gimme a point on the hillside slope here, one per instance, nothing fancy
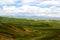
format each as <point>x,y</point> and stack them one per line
<point>24,29</point>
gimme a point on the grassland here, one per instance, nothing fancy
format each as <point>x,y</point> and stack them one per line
<point>28,29</point>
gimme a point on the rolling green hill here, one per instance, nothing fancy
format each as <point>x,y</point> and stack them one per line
<point>28,29</point>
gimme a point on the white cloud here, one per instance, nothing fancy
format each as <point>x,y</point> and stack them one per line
<point>53,15</point>
<point>9,7</point>
<point>42,2</point>
<point>24,8</point>
<point>32,10</point>
<point>7,1</point>
<point>53,3</point>
<point>28,1</point>
<point>27,8</point>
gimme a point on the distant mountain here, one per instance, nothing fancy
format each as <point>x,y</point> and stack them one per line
<point>26,15</point>
<point>36,17</point>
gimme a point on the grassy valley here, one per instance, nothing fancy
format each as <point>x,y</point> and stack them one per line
<point>28,29</point>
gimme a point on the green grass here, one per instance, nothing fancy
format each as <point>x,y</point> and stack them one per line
<point>15,28</point>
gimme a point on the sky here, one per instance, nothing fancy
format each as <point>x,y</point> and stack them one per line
<point>46,8</point>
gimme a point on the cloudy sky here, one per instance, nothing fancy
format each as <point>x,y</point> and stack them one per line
<point>47,8</point>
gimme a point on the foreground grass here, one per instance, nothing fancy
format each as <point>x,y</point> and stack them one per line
<point>24,29</point>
